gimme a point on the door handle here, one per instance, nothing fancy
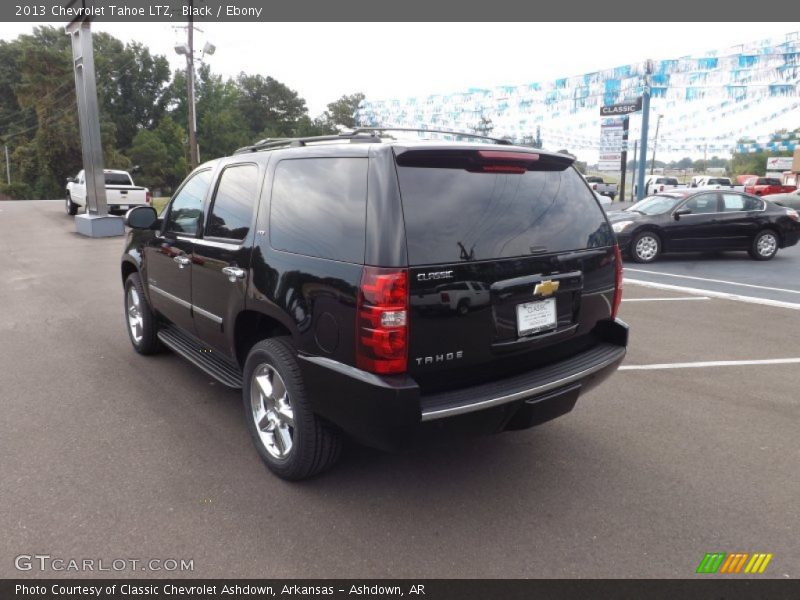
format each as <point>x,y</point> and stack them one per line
<point>233,273</point>
<point>182,261</point>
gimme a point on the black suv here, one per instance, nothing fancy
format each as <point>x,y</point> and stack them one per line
<point>304,271</point>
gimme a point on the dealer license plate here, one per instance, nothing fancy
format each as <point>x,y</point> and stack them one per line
<point>123,207</point>
<point>536,317</point>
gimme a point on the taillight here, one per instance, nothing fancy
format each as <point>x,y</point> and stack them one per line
<point>445,297</point>
<point>382,321</point>
<point>594,186</point>
<point>617,282</point>
<point>661,189</point>
<point>147,197</point>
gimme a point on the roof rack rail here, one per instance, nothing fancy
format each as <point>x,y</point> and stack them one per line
<point>374,130</point>
<point>361,134</point>
<point>275,143</point>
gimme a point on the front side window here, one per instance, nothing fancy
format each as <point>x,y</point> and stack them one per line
<point>702,204</point>
<point>186,210</point>
<point>232,210</point>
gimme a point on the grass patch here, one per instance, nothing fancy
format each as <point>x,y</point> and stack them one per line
<point>159,204</point>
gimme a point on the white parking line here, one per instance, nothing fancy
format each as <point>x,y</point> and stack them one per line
<point>665,299</point>
<point>750,285</point>
<point>713,363</point>
<point>712,294</point>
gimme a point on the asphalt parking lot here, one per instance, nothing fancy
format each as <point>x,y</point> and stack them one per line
<point>108,454</point>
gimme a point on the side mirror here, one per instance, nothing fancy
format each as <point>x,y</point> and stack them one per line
<point>141,217</point>
<point>680,212</point>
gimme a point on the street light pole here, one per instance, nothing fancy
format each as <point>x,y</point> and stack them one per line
<point>193,158</point>
<point>655,144</point>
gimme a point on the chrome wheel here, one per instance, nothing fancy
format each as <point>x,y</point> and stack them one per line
<point>646,248</point>
<point>767,244</point>
<point>272,411</point>
<point>135,320</point>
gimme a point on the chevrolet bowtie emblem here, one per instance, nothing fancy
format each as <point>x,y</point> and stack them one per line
<point>546,288</point>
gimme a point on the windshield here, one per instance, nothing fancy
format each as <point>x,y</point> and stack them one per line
<point>655,205</point>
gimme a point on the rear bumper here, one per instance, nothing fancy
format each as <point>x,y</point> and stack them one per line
<point>385,412</point>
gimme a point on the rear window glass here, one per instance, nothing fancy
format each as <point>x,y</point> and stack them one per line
<point>454,215</point>
<point>319,207</point>
<point>667,180</point>
<point>117,179</point>
<point>769,181</point>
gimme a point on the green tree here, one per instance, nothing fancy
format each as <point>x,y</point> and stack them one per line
<point>151,155</point>
<point>176,166</point>
<point>341,112</point>
<point>132,86</point>
<point>269,108</point>
<point>53,151</point>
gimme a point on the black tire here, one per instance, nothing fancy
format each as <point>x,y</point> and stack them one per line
<point>148,343</point>
<point>463,307</point>
<point>645,247</point>
<point>315,446</point>
<point>765,245</point>
<point>71,207</point>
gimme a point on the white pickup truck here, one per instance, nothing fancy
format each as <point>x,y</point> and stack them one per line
<point>121,192</point>
<point>601,187</point>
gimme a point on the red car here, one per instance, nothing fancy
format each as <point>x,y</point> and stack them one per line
<point>762,186</point>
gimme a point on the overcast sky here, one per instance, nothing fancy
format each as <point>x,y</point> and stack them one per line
<point>322,61</point>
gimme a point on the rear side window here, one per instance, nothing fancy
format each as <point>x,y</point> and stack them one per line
<point>232,210</point>
<point>454,215</point>
<point>319,207</point>
<point>735,202</point>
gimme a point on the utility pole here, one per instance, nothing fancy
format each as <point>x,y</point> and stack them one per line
<point>640,193</point>
<point>655,144</point>
<point>193,158</point>
<point>633,171</point>
<point>8,166</point>
<point>624,157</point>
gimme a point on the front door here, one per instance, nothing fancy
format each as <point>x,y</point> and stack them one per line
<point>222,256</point>
<point>168,256</point>
<point>696,231</point>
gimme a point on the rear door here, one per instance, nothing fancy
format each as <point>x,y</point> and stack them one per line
<point>530,242</point>
<point>738,223</point>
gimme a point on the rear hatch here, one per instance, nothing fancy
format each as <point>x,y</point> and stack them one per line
<point>511,262</point>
